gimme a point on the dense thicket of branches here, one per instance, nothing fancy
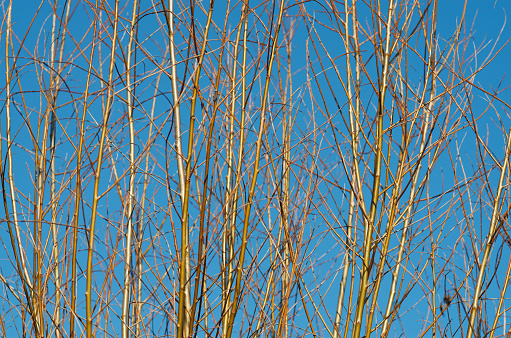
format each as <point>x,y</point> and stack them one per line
<point>255,169</point>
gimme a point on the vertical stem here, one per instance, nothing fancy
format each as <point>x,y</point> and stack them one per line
<point>104,129</point>
<point>369,223</point>
<point>184,297</point>
<point>55,253</point>
<point>284,217</point>
<point>184,314</point>
<point>489,239</point>
<point>144,215</point>
<point>231,188</point>
<point>78,184</point>
<point>499,311</point>
<point>227,310</point>
<point>16,238</point>
<point>175,97</point>
<point>126,294</point>
<point>53,198</point>
<point>408,218</point>
<point>206,193</point>
<point>355,174</point>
